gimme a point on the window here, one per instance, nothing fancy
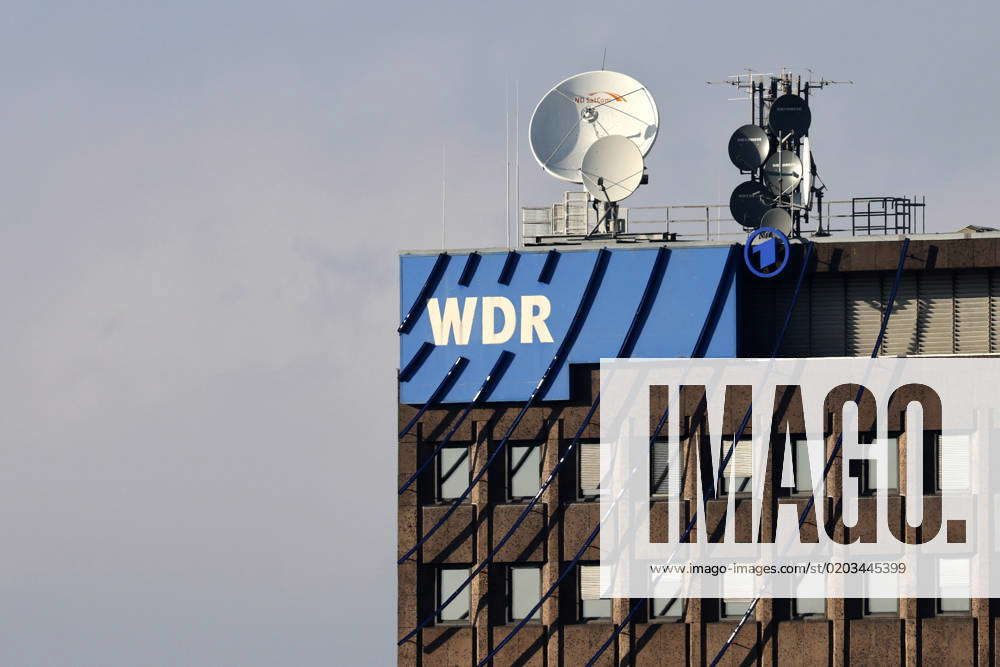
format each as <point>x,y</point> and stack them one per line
<point>524,589</point>
<point>734,607</point>
<point>592,605</point>
<point>524,471</point>
<point>736,590</point>
<point>953,584</point>
<point>869,477</point>
<point>666,609</point>
<point>886,606</point>
<point>452,472</point>
<point>805,607</point>
<point>660,473</point>
<point>878,588</point>
<point>590,469</point>
<point>800,466</point>
<point>740,465</point>
<point>952,458</point>
<point>448,581</point>
<point>810,598</point>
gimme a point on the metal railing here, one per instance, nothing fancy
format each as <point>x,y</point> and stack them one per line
<point>713,222</point>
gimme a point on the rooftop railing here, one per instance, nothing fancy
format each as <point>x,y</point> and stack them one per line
<point>574,218</point>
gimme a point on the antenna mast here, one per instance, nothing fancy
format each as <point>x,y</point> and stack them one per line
<point>506,158</point>
<point>774,150</point>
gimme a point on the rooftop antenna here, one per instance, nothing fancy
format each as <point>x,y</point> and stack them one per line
<point>442,196</point>
<point>774,149</point>
<point>517,163</point>
<point>506,157</point>
<point>604,58</point>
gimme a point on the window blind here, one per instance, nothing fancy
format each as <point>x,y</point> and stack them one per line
<point>661,474</point>
<point>590,467</point>
<point>953,462</point>
<point>590,582</point>
<point>741,462</point>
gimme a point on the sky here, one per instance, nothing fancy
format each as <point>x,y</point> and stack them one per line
<point>202,209</point>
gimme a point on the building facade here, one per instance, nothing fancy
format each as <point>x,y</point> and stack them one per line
<point>488,433</point>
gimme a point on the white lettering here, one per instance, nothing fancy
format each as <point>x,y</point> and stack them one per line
<point>532,320</point>
<point>490,305</point>
<point>442,327</point>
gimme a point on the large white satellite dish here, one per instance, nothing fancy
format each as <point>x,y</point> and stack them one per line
<point>612,168</point>
<point>584,108</point>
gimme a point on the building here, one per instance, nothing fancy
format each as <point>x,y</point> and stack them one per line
<point>704,301</point>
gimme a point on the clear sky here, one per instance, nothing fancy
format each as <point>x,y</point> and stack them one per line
<point>202,206</point>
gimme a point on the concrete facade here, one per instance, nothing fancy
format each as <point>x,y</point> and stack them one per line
<point>558,526</point>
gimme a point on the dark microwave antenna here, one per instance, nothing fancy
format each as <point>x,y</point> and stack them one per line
<point>773,150</point>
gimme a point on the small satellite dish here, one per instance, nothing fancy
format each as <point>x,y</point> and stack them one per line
<point>789,113</point>
<point>749,147</point>
<point>749,201</point>
<point>805,187</point>
<point>782,172</point>
<point>612,168</point>
<point>777,218</point>
<point>584,108</point>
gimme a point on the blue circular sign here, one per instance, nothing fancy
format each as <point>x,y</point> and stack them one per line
<point>766,253</point>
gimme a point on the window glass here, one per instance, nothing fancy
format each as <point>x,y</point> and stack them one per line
<point>449,579</point>
<point>666,608</point>
<point>810,606</point>
<point>525,472</point>
<point>735,607</point>
<point>803,475</point>
<point>880,587</point>
<point>893,464</point>
<point>882,606</point>
<point>953,584</point>
<point>810,599</point>
<point>871,468</point>
<point>453,472</point>
<point>525,591</point>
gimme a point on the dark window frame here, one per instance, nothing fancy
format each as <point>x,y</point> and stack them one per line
<point>439,596</point>
<point>723,616</point>
<point>439,480</point>
<point>745,488</point>
<point>867,487</point>
<point>580,495</point>
<point>653,618</point>
<point>509,592</point>
<point>807,616</point>
<point>681,458</point>
<point>509,463</point>
<point>580,617</point>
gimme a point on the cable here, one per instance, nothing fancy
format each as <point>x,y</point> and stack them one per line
<point>443,387</point>
<point>628,345</point>
<point>739,433</point>
<point>489,384</point>
<point>586,301</point>
<point>840,439</point>
<point>433,278</point>
<point>699,350</point>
